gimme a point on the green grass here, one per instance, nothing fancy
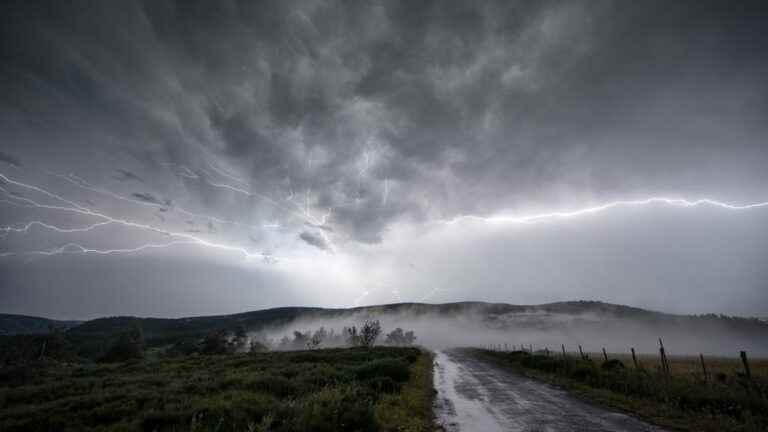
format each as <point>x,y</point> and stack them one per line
<point>691,365</point>
<point>411,409</point>
<point>680,402</point>
<point>323,390</point>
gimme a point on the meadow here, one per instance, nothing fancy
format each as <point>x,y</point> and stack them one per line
<point>684,399</point>
<point>690,366</point>
<point>350,389</point>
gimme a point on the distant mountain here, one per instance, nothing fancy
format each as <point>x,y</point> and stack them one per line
<point>22,324</point>
<point>589,323</point>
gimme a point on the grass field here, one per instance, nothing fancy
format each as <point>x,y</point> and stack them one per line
<point>357,389</point>
<point>691,366</point>
<point>682,400</point>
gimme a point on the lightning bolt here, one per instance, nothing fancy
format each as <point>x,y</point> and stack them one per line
<point>226,174</point>
<point>183,238</point>
<point>678,202</point>
<point>26,227</point>
<point>103,219</point>
<point>82,184</point>
<point>566,214</point>
<point>75,248</point>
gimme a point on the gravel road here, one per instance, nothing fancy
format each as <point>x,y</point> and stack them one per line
<point>476,395</point>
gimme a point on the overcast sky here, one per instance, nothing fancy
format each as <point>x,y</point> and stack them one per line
<point>181,158</point>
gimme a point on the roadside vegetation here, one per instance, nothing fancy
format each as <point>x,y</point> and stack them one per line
<point>228,381</point>
<point>682,399</point>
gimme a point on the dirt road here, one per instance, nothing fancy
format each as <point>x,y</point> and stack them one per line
<point>476,395</point>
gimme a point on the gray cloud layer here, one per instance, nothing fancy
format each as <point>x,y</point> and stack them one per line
<point>379,113</point>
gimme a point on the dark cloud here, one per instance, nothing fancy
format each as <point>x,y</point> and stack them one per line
<point>10,159</point>
<point>315,240</point>
<point>473,104</point>
<point>146,197</point>
<point>125,175</point>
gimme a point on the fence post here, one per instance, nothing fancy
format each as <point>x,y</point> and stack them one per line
<point>605,355</point>
<point>663,355</point>
<point>703,367</point>
<point>744,360</point>
<point>563,347</point>
<point>634,357</point>
<point>581,353</point>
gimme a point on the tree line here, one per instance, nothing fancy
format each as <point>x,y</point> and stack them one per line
<point>366,335</point>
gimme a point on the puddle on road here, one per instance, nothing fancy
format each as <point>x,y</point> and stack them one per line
<point>460,411</point>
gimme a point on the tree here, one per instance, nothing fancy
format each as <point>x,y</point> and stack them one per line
<point>318,337</point>
<point>257,346</point>
<point>240,339</point>
<point>285,343</point>
<point>399,338</point>
<point>216,342</point>
<point>369,332</point>
<point>300,340</point>
<point>352,338</point>
<point>128,346</point>
<point>55,345</point>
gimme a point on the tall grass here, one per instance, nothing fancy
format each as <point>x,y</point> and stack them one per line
<point>731,402</point>
<point>321,390</point>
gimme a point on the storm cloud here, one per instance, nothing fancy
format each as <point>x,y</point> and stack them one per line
<point>10,160</point>
<point>146,197</point>
<point>366,120</point>
<point>313,239</point>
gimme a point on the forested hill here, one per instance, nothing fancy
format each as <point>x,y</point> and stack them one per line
<point>582,322</point>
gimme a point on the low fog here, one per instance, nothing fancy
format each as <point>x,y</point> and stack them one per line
<point>592,325</point>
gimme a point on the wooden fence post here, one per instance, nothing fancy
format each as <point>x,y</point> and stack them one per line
<point>703,367</point>
<point>605,355</point>
<point>744,360</point>
<point>663,355</point>
<point>634,357</point>
<point>581,353</point>
<point>563,347</point>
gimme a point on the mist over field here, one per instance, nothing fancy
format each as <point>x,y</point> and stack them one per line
<point>592,325</point>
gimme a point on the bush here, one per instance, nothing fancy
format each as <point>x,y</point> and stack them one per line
<point>275,385</point>
<point>584,372</point>
<point>128,346</point>
<point>396,370</point>
<point>612,364</point>
<point>321,390</point>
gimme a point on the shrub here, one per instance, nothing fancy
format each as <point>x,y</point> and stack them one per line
<point>395,369</point>
<point>612,364</point>
<point>128,346</point>
<point>273,384</point>
<point>584,372</point>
